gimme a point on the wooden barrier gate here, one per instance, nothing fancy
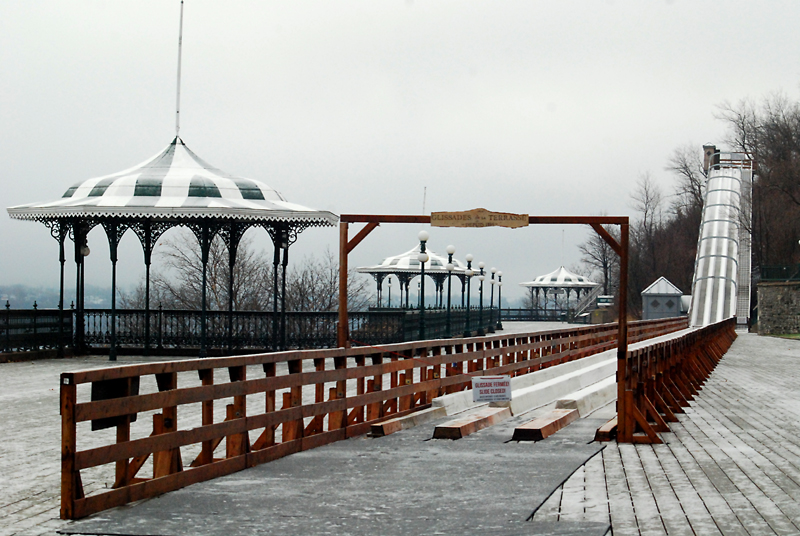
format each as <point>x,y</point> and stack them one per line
<point>346,391</point>
<point>660,378</point>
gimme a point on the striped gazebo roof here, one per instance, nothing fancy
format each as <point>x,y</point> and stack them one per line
<point>174,184</point>
<point>561,278</point>
<point>409,263</point>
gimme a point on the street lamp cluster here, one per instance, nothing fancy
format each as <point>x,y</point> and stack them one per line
<point>423,258</point>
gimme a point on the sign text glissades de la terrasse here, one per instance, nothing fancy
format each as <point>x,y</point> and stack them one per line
<point>479,217</point>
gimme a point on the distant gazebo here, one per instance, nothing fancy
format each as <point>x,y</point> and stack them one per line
<point>173,188</point>
<point>558,282</point>
<point>406,267</point>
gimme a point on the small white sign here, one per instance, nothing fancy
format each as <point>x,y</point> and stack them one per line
<point>491,388</point>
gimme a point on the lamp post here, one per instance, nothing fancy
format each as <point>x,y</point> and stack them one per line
<point>423,258</point>
<point>390,292</point>
<point>468,274</point>
<point>491,300</point>
<point>450,250</point>
<point>499,301</point>
<point>481,277</point>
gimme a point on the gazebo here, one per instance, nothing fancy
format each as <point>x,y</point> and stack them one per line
<point>557,282</point>
<point>173,188</point>
<point>406,267</point>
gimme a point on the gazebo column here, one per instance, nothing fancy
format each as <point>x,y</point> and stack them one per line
<point>284,264</point>
<point>379,277</point>
<point>114,231</point>
<point>276,261</point>
<point>59,230</point>
<point>62,258</point>
<point>204,235</point>
<point>148,232</point>
<point>232,235</point>
<point>282,236</point>
<point>81,250</point>
<point>148,250</point>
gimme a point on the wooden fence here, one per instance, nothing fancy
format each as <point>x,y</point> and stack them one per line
<point>662,376</point>
<point>274,404</point>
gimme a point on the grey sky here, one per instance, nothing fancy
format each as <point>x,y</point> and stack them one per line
<point>355,107</point>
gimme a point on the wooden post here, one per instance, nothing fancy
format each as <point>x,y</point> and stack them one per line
<point>69,482</point>
<point>342,332</point>
<point>207,452</point>
<point>624,430</point>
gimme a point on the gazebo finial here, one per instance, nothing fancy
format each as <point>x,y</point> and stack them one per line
<point>178,91</point>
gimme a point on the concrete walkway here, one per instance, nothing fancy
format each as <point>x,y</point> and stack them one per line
<point>731,466</point>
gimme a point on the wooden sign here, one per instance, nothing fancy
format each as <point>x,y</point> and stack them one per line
<point>491,389</point>
<point>479,217</point>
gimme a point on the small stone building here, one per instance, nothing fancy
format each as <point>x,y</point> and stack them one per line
<point>662,299</point>
<point>778,307</point>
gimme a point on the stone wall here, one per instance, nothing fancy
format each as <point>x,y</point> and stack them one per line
<point>778,308</point>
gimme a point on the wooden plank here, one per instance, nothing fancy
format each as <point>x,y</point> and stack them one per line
<point>607,432</point>
<point>416,418</point>
<point>545,426</point>
<point>648,517</point>
<point>469,424</point>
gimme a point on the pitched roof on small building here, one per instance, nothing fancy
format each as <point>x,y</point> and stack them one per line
<point>662,287</point>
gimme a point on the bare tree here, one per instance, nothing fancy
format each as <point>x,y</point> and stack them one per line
<point>769,133</point>
<point>686,164</point>
<point>598,255</point>
<point>313,285</point>
<point>180,286</point>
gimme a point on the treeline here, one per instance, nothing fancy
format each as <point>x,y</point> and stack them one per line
<point>666,222</point>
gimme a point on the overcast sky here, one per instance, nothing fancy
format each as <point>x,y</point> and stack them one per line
<point>545,108</point>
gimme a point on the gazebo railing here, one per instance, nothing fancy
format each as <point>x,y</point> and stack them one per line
<point>23,330</point>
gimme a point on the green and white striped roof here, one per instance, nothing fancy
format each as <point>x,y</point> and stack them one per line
<point>175,183</point>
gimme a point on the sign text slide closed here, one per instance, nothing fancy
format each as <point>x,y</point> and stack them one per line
<point>491,389</point>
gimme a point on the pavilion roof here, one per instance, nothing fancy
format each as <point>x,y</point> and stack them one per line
<point>409,263</point>
<point>174,184</point>
<point>561,278</point>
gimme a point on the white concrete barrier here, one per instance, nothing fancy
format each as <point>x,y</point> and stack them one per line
<point>590,398</point>
<point>543,386</point>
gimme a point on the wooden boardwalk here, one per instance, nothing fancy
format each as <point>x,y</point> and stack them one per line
<point>730,466</point>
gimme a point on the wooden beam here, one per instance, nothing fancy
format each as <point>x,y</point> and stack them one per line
<point>605,235</point>
<point>362,234</point>
<point>545,426</point>
<point>464,426</point>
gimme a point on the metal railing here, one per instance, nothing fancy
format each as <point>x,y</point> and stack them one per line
<point>535,315</point>
<point>784,272</point>
<point>24,330</point>
<point>274,404</point>
<point>178,331</point>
